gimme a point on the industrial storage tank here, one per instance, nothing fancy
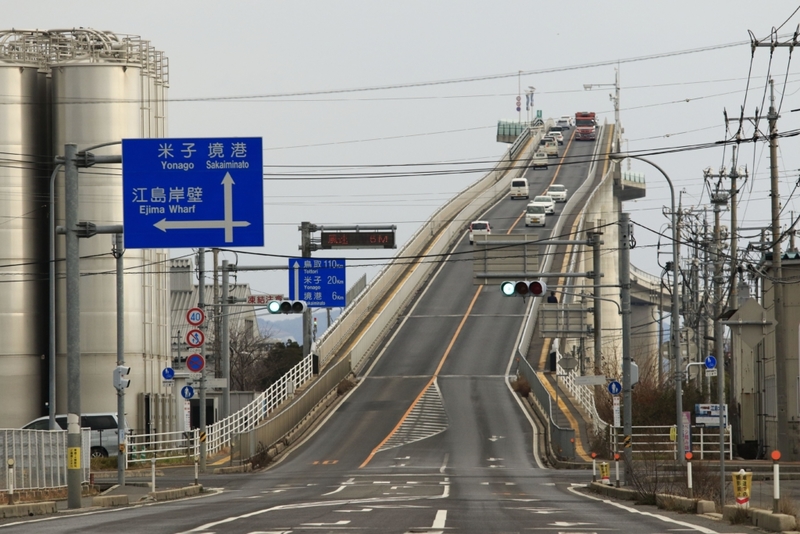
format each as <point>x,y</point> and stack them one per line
<point>107,87</point>
<point>23,228</point>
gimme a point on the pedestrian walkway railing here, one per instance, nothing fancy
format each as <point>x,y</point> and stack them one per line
<point>661,441</point>
<point>163,446</point>
<point>249,417</point>
<point>257,441</point>
<point>39,458</point>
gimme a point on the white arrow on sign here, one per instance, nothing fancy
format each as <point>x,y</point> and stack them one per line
<point>295,290</point>
<point>228,224</point>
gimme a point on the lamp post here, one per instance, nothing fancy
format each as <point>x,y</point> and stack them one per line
<point>615,99</point>
<point>674,326</point>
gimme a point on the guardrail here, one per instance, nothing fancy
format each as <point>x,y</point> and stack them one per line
<point>40,458</point>
<point>258,440</point>
<point>163,446</point>
<point>657,440</point>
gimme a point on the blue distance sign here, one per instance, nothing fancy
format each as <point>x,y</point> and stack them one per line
<point>187,392</point>
<point>614,387</point>
<point>318,282</point>
<point>193,192</point>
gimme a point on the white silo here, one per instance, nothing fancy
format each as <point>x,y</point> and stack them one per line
<point>23,228</point>
<point>106,87</point>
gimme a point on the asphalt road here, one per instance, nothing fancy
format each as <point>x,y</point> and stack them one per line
<point>431,440</point>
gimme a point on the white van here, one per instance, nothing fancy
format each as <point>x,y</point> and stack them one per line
<point>104,431</point>
<point>519,188</point>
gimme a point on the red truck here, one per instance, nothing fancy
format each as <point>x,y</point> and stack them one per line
<point>585,126</point>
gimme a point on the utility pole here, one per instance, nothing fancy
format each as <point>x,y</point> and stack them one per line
<point>719,200</point>
<point>785,443</point>
<point>117,251</point>
<point>225,344</point>
<point>625,304</point>
<point>597,275</point>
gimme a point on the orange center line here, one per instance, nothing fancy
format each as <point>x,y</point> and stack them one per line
<point>430,382</point>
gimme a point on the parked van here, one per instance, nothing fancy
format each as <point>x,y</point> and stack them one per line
<point>103,425</point>
<point>519,188</point>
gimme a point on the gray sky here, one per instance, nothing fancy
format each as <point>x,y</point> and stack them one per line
<point>269,50</point>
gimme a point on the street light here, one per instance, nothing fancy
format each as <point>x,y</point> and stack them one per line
<point>674,327</point>
<point>615,99</point>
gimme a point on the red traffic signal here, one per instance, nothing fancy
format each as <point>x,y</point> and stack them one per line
<point>538,288</point>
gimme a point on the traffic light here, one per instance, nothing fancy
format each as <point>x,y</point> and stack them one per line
<point>121,380</point>
<point>286,306</point>
<point>537,288</point>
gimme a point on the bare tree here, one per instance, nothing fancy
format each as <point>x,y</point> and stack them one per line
<point>258,360</point>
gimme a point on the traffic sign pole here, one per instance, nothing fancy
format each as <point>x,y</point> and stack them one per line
<point>201,294</point>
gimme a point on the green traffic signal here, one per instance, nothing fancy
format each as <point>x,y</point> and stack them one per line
<point>508,289</point>
<point>286,306</point>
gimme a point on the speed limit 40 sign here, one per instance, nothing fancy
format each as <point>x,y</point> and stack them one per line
<point>195,316</point>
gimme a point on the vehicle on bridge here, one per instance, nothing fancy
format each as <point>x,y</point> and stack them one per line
<point>565,121</point>
<point>519,188</point>
<point>551,147</point>
<point>539,160</point>
<point>546,202</point>
<point>558,192</point>
<point>535,215</point>
<point>586,126</point>
<point>478,228</point>
<point>556,134</point>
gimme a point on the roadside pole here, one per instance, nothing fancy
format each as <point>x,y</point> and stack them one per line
<point>625,298</point>
<point>201,291</point>
<point>122,429</point>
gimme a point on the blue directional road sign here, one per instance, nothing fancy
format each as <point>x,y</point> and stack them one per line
<point>614,387</point>
<point>711,362</point>
<point>168,373</point>
<point>187,392</point>
<point>181,193</point>
<point>318,282</point>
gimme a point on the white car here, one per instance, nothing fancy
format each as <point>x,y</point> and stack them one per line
<point>478,228</point>
<point>551,147</point>
<point>546,202</point>
<point>535,215</point>
<point>558,192</point>
<point>103,426</point>
<point>539,160</point>
<point>566,121</point>
<point>557,135</point>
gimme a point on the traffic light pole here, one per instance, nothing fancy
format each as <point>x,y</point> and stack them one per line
<point>305,251</point>
<point>74,230</point>
<point>117,251</point>
<point>201,295</point>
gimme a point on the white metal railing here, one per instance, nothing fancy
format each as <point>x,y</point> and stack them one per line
<point>219,433</point>
<point>658,440</point>
<point>40,458</point>
<point>141,448</point>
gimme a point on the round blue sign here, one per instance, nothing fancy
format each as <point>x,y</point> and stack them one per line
<point>168,373</point>
<point>711,362</point>
<point>187,392</point>
<point>195,363</point>
<point>614,387</point>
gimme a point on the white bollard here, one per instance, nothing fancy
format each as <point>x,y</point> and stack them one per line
<point>776,482</point>
<point>152,474</point>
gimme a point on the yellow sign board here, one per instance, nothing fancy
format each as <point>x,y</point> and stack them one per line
<point>605,473</point>
<point>73,457</point>
<point>742,482</point>
<point>673,433</point>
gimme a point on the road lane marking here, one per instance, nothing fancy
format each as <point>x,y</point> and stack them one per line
<point>696,528</point>
<point>430,382</point>
<point>440,519</point>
